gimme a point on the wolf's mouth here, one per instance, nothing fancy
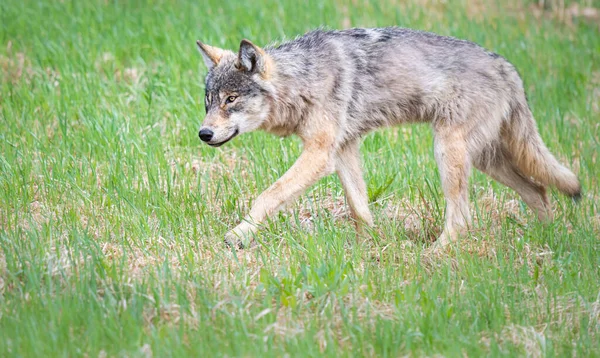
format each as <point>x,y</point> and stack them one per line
<point>226,140</point>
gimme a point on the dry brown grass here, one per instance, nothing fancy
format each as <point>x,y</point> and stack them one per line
<point>532,341</point>
<point>565,13</point>
<point>15,66</point>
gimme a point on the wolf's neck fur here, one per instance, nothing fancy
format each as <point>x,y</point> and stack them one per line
<point>291,81</point>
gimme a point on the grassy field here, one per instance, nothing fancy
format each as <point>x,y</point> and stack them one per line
<point>112,213</point>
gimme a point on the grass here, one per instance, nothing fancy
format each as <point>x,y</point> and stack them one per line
<point>112,213</point>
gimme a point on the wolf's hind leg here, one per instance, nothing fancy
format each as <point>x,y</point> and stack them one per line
<point>500,167</point>
<point>348,167</point>
<point>454,166</point>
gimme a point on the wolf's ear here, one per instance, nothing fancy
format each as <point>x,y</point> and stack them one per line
<point>211,55</point>
<point>252,58</point>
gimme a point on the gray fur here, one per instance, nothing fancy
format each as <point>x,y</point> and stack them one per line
<point>353,81</point>
<point>368,78</point>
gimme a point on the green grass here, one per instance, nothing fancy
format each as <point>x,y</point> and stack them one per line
<point>112,213</point>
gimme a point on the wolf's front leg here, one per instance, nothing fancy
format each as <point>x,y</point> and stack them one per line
<point>350,172</point>
<point>315,162</point>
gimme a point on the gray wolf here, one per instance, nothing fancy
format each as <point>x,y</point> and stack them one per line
<point>330,88</point>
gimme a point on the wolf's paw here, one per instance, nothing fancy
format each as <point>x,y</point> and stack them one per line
<point>438,247</point>
<point>444,240</point>
<point>231,240</point>
<point>442,244</point>
<point>241,236</point>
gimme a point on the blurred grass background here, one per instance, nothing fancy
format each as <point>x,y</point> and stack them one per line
<point>112,214</point>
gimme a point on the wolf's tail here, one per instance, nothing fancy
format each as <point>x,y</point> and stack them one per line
<point>533,158</point>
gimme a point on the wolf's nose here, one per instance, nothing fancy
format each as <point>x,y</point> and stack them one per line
<point>205,134</point>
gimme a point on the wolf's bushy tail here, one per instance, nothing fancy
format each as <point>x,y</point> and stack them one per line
<point>533,158</point>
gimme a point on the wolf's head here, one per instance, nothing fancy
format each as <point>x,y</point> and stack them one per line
<point>238,91</point>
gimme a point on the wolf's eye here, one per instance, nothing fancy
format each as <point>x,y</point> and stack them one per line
<point>230,99</point>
